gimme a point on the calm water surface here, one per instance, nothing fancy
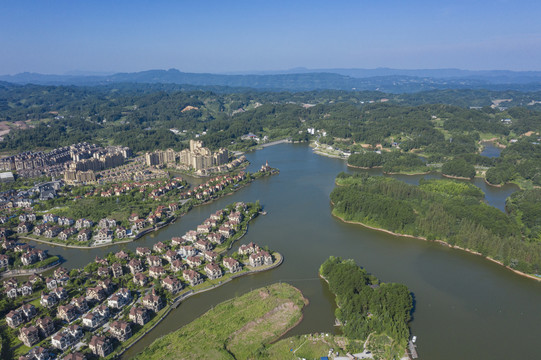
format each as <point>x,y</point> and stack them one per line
<point>465,307</point>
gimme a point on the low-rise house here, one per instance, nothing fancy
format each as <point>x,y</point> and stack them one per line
<point>103,271</point>
<point>75,356</point>
<point>40,229</point>
<point>80,304</point>
<point>261,258</point>
<point>120,232</point>
<point>103,311</point>
<point>160,247</point>
<point>248,249</point>
<point>48,300</point>
<point>67,312</point>
<point>136,266</point>
<point>14,318</point>
<point>100,346</point>
<point>215,238</point>
<point>60,293</point>
<point>122,255</point>
<point>50,218</point>
<point>52,232</point>
<point>178,265</point>
<point>117,270</point>
<point>65,221</point>
<point>187,250</point>
<point>51,283</point>
<point>193,261</point>
<point>96,293</point>
<point>75,331</point>
<point>211,256</point>
<point>140,279</point>
<point>120,299</point>
<point>232,265</point>
<point>29,336</point>
<point>213,271</point>
<point>92,320</point>
<point>104,235</point>
<point>107,285</point>
<point>203,229</point>
<point>25,289</point>
<point>120,330</point>
<point>66,233</point>
<point>154,260</point>
<point>24,227</point>
<point>107,223</point>
<point>29,311</point>
<point>156,272</point>
<point>153,302</point>
<point>33,256</point>
<point>39,353</point>
<point>4,261</point>
<point>11,292</point>
<point>193,277</point>
<point>83,223</point>
<point>177,241</point>
<point>61,340</point>
<point>171,284</point>
<point>203,245</point>
<point>226,232</point>
<point>84,235</point>
<point>190,236</point>
<point>139,315</point>
<point>170,255</point>
<point>142,251</point>
<point>45,326</point>
<point>217,215</point>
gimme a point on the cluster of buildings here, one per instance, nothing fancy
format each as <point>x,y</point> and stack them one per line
<point>90,159</point>
<point>198,158</point>
<point>27,254</point>
<point>184,261</point>
<point>77,157</point>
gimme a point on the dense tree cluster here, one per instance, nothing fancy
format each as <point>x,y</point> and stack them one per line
<point>365,305</point>
<point>458,167</point>
<point>442,209</point>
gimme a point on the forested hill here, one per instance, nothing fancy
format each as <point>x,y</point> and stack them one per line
<point>445,210</point>
<point>367,307</point>
<point>303,81</point>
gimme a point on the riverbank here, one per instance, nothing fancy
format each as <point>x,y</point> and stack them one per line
<point>442,242</point>
<point>27,272</point>
<point>177,301</point>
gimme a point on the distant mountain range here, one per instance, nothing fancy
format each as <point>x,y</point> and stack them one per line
<point>301,79</point>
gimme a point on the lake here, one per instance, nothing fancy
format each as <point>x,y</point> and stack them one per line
<point>466,307</point>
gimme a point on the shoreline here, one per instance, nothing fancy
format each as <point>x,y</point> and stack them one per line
<point>139,235</point>
<point>440,242</point>
<point>456,177</point>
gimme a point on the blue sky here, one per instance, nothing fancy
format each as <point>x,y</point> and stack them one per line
<point>225,36</point>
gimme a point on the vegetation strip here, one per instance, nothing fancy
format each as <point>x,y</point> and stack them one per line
<point>446,210</point>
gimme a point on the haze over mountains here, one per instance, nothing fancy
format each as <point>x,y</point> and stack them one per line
<point>302,79</point>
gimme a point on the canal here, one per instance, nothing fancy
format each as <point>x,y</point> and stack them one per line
<point>465,307</point>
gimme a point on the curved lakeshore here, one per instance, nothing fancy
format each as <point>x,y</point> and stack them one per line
<point>440,242</point>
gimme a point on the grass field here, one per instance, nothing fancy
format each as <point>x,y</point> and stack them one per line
<point>236,329</point>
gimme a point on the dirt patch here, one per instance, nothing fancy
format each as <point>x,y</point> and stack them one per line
<point>264,293</point>
<point>270,325</point>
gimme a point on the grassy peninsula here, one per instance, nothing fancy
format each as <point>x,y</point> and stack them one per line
<point>236,329</point>
<point>444,210</point>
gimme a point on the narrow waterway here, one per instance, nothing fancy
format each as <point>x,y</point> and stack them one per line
<point>465,307</point>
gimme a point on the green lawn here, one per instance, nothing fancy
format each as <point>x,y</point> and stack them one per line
<point>236,329</point>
